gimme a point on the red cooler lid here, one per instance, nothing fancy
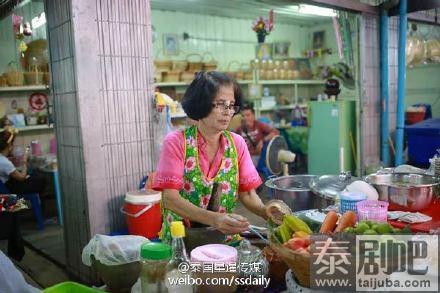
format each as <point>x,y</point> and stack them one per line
<point>143,196</point>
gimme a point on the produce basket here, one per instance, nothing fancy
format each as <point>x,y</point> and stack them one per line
<point>194,62</point>
<point>70,287</point>
<point>13,76</point>
<point>298,262</point>
<point>3,81</point>
<point>210,64</point>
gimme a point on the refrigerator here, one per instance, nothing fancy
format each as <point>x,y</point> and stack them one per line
<point>330,147</point>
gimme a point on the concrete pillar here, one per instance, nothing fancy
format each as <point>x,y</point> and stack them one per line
<point>102,84</point>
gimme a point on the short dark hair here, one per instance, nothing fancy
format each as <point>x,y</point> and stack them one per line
<point>248,106</point>
<point>5,139</point>
<point>200,94</point>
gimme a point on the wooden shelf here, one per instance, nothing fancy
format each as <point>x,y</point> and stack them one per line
<point>35,127</point>
<point>27,88</point>
<point>171,84</point>
<point>290,82</point>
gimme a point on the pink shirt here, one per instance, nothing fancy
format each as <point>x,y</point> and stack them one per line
<point>170,169</point>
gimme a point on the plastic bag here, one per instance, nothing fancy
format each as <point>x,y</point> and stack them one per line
<point>113,250</point>
<point>11,280</point>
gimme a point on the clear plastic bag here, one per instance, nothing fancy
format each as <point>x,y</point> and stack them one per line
<point>11,280</point>
<point>113,250</point>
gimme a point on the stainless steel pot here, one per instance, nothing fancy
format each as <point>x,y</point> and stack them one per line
<point>404,191</point>
<point>294,190</point>
<point>328,187</point>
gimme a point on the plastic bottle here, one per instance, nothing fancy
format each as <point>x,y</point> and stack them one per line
<point>178,266</point>
<point>154,261</point>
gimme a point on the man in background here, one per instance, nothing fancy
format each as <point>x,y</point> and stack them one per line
<point>254,132</point>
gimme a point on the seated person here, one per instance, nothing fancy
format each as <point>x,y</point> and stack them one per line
<point>254,132</point>
<point>18,182</point>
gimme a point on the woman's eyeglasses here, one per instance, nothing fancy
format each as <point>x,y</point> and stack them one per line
<point>222,106</point>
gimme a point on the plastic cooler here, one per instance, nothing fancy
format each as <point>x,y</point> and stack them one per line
<point>143,213</point>
<point>423,141</point>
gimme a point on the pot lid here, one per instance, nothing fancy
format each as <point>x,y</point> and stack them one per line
<point>291,182</point>
<point>329,186</point>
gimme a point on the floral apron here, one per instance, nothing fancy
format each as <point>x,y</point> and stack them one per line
<point>197,188</point>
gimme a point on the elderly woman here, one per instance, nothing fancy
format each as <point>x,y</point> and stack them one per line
<point>204,169</point>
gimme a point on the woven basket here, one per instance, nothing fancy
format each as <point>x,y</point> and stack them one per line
<point>209,63</point>
<point>163,65</point>
<point>171,76</point>
<point>34,77</point>
<point>194,65</point>
<point>180,65</point>
<point>158,76</point>
<point>230,72</point>
<point>3,81</point>
<point>46,78</point>
<point>187,76</point>
<point>299,263</point>
<point>13,76</point>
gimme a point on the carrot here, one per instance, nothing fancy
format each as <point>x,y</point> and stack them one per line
<point>348,219</point>
<point>329,223</point>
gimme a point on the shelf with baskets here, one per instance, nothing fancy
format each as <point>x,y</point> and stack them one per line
<point>25,88</point>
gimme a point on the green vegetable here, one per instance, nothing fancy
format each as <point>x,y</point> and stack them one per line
<point>285,233</point>
<point>370,232</point>
<point>384,228</point>
<point>362,227</point>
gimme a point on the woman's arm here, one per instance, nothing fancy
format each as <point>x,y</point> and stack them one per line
<point>21,175</point>
<point>223,222</point>
<point>253,203</point>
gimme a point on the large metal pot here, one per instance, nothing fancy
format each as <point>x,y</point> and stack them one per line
<point>404,191</point>
<point>328,187</point>
<point>294,190</point>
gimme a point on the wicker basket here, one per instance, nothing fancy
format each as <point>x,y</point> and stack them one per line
<point>158,76</point>
<point>34,77</point>
<point>163,65</point>
<point>299,263</point>
<point>180,65</point>
<point>15,78</point>
<point>187,76</point>
<point>230,72</point>
<point>46,78</point>
<point>3,81</point>
<point>194,65</point>
<point>209,63</point>
<point>171,76</point>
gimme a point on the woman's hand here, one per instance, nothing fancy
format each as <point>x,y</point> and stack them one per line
<point>230,223</point>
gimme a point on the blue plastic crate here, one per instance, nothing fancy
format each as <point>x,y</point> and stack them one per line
<point>423,141</point>
<point>348,201</point>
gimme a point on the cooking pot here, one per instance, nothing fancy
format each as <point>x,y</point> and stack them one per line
<point>405,191</point>
<point>294,190</point>
<point>328,187</point>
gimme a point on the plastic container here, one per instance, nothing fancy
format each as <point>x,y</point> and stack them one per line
<point>214,254</point>
<point>423,141</point>
<point>70,287</point>
<point>36,148</point>
<point>413,117</point>
<point>373,210</point>
<point>348,201</point>
<point>154,260</point>
<point>143,214</point>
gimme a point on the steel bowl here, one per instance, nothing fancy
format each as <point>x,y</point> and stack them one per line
<point>294,190</point>
<point>405,191</point>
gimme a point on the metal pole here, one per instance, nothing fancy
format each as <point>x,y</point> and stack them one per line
<point>403,20</point>
<point>384,85</point>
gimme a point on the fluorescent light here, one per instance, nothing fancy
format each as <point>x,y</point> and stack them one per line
<point>38,21</point>
<point>316,10</point>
